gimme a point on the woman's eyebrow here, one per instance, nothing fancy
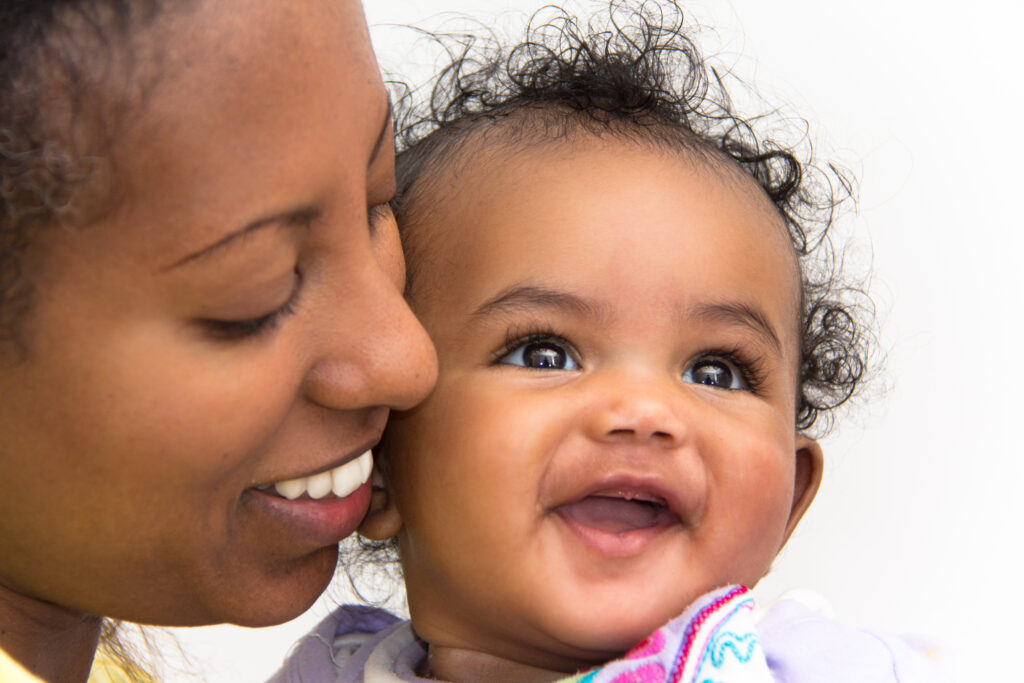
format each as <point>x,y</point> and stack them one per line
<point>303,216</point>
<point>742,314</point>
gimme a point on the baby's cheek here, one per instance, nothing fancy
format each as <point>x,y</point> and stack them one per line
<point>759,509</point>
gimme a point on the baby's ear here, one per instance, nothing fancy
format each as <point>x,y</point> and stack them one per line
<point>382,520</point>
<point>810,464</point>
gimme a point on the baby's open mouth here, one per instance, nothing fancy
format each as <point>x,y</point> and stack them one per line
<point>617,514</point>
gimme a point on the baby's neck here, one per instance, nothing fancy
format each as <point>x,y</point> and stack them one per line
<point>458,665</point>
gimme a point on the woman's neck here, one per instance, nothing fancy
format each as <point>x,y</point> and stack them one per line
<point>52,642</point>
<point>457,665</point>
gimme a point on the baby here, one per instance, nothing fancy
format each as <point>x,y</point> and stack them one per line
<point>636,324</point>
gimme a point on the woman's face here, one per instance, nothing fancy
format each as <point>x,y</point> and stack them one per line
<point>236,321</point>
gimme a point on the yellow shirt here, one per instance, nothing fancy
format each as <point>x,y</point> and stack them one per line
<point>106,671</point>
<point>103,671</point>
<point>12,672</point>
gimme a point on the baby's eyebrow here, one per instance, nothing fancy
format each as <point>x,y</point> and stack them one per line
<point>742,314</point>
<point>528,297</point>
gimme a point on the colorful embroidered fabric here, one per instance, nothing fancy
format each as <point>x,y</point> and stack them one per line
<point>712,642</point>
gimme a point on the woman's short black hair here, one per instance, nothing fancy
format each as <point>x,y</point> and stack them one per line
<point>635,72</point>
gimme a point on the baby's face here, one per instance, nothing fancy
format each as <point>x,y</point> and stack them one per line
<point>613,431</point>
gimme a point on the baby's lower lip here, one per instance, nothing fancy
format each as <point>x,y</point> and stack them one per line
<point>320,522</point>
<point>614,526</point>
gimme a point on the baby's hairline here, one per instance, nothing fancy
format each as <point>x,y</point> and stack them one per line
<point>447,149</point>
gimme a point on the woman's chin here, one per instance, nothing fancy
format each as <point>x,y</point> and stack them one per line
<point>285,598</point>
<point>243,598</point>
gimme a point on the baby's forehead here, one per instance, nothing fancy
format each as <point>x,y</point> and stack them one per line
<point>454,156</point>
<point>490,219</point>
<point>476,166</point>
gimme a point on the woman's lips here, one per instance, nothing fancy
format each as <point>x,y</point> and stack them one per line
<point>320,508</point>
<point>318,522</point>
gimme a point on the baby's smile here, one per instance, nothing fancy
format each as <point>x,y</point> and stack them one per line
<point>616,524</point>
<point>618,513</point>
<point>615,506</point>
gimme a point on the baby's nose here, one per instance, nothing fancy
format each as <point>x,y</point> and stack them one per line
<point>637,413</point>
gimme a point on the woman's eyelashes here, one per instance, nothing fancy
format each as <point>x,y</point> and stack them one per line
<point>247,328</point>
<point>539,351</point>
<point>234,330</point>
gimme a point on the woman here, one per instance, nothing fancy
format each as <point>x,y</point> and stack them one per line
<point>201,312</point>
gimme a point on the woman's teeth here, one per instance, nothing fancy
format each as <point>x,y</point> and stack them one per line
<point>341,481</point>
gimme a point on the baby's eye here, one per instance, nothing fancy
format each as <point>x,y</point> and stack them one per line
<point>717,372</point>
<point>540,354</point>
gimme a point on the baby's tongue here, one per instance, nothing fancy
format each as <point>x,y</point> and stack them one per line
<point>613,515</point>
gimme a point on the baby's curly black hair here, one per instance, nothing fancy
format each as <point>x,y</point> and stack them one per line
<point>634,72</point>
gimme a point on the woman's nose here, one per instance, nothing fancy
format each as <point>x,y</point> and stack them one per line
<point>376,353</point>
<point>637,410</point>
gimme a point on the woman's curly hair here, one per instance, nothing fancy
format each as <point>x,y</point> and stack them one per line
<point>53,55</point>
<point>46,49</point>
<point>635,72</point>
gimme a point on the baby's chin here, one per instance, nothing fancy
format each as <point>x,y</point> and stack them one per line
<point>573,643</point>
<point>588,640</point>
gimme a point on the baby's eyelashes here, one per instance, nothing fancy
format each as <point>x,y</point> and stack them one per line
<point>714,372</point>
<point>539,352</point>
<point>724,370</point>
<point>715,367</point>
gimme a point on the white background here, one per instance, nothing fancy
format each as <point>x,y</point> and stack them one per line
<point>917,527</point>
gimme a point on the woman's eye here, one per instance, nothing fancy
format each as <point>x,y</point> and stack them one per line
<point>715,372</point>
<point>230,330</point>
<point>547,354</point>
<point>234,330</point>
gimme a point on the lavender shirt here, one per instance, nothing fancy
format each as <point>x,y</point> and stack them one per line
<point>791,642</point>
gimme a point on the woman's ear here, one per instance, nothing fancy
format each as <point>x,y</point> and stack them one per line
<point>382,520</point>
<point>810,463</point>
